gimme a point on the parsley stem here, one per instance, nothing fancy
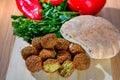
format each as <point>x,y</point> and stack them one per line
<point>74,13</point>
<point>65,5</point>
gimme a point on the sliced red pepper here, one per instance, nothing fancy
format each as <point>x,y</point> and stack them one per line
<point>30,8</point>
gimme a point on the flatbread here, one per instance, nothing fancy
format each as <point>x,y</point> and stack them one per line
<point>97,36</point>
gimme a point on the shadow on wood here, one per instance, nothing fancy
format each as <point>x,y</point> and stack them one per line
<point>111,14</point>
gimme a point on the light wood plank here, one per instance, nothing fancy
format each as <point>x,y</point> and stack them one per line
<point>8,7</point>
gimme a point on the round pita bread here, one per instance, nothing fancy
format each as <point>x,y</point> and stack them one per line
<point>97,36</point>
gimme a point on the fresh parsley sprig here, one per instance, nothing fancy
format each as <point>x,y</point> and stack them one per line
<point>53,18</point>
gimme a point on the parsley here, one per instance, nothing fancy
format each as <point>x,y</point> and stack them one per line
<point>53,18</point>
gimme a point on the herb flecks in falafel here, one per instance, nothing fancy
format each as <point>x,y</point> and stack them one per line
<point>67,69</point>
<point>51,65</point>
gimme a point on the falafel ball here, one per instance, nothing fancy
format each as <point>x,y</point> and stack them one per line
<point>45,54</point>
<point>81,61</point>
<point>66,69</point>
<point>51,65</point>
<point>75,49</point>
<point>34,63</point>
<point>36,42</point>
<point>62,44</point>
<point>49,41</point>
<point>28,51</point>
<point>63,56</point>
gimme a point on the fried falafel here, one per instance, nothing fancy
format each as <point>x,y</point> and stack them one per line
<point>81,61</point>
<point>51,65</point>
<point>45,54</point>
<point>49,41</point>
<point>66,69</point>
<point>28,51</point>
<point>34,63</point>
<point>62,44</point>
<point>36,42</point>
<point>75,49</point>
<point>55,54</point>
<point>63,56</point>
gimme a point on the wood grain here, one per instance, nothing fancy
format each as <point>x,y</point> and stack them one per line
<point>8,7</point>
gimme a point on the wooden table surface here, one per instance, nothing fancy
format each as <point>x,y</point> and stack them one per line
<point>111,12</point>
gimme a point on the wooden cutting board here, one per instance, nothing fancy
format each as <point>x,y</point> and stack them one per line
<point>99,69</point>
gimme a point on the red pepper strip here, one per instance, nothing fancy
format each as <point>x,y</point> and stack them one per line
<point>30,8</point>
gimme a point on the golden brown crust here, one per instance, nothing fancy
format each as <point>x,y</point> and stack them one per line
<point>62,44</point>
<point>81,61</point>
<point>49,41</point>
<point>28,51</point>
<point>63,56</point>
<point>53,57</point>
<point>34,63</point>
<point>75,48</point>
<point>36,42</point>
<point>45,54</point>
<point>50,61</point>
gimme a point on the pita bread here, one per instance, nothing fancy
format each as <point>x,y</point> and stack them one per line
<point>99,38</point>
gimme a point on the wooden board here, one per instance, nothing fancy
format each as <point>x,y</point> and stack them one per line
<point>99,69</point>
<point>111,12</point>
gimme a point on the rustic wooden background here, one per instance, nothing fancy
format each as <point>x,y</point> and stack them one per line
<point>111,12</point>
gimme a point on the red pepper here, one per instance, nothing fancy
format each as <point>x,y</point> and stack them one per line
<point>86,7</point>
<point>30,8</point>
<point>54,2</point>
